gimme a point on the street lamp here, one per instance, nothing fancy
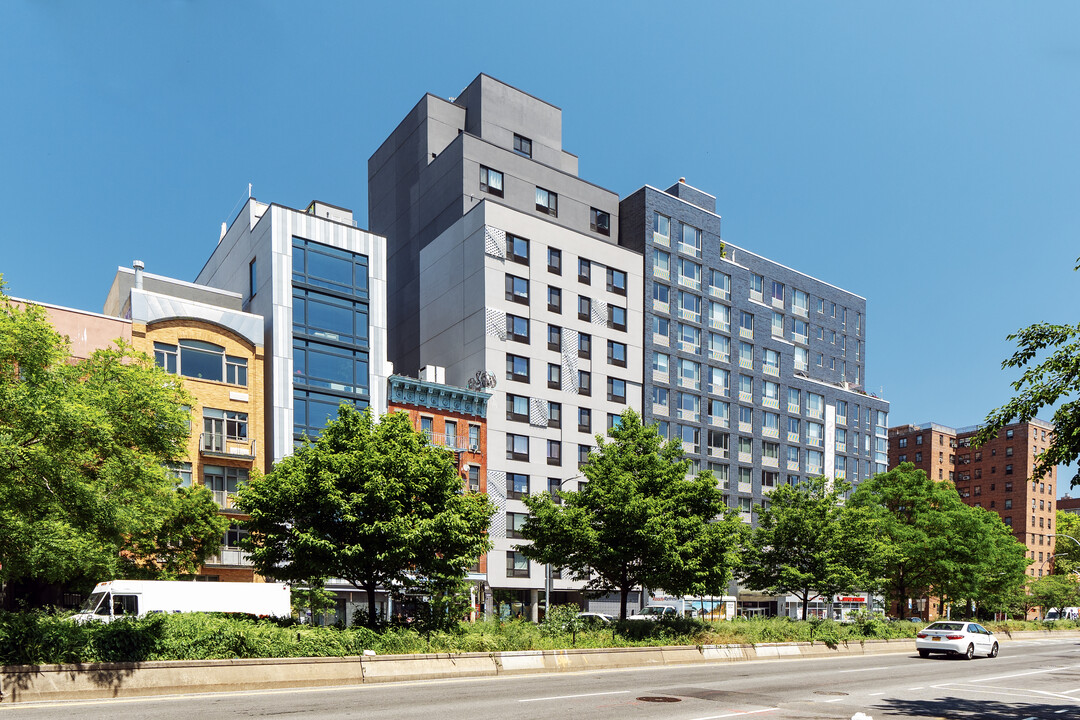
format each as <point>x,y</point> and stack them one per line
<point>549,572</point>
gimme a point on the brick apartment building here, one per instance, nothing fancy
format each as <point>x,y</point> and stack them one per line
<point>997,476</point>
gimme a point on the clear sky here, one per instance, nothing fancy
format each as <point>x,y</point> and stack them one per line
<point>924,155</point>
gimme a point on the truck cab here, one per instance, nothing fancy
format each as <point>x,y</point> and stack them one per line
<point>656,612</point>
<point>105,605</point>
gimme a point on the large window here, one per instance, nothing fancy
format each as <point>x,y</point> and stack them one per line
<point>616,281</point>
<point>330,366</point>
<point>517,565</point>
<point>201,360</point>
<point>547,202</point>
<point>333,318</point>
<point>691,240</point>
<point>517,486</point>
<point>517,368</point>
<point>222,481</point>
<point>517,289</point>
<point>330,268</point>
<point>517,328</point>
<point>517,447</point>
<point>491,181</point>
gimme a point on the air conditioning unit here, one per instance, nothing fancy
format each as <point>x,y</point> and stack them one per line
<point>474,448</point>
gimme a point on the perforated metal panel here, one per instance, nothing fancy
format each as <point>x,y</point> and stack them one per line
<point>569,361</point>
<point>495,242</point>
<point>538,412</point>
<point>599,313</point>
<point>496,490</point>
<point>496,323</point>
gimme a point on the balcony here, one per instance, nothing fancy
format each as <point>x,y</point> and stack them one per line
<point>814,413</point>
<point>223,499</point>
<point>689,250</point>
<point>718,421</point>
<point>746,488</point>
<point>457,443</point>
<point>719,356</point>
<point>230,556</point>
<point>660,409</point>
<point>747,363</point>
<point>841,447</point>
<point>689,282</point>
<point>720,324</point>
<point>800,311</point>
<point>688,347</point>
<point>813,469</point>
<point>215,444</point>
<point>661,307</point>
<point>689,447</point>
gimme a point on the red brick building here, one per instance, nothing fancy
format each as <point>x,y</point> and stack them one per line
<point>451,417</point>
<point>997,476</point>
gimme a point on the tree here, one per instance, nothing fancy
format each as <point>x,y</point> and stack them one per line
<point>1044,384</point>
<point>639,521</point>
<point>1054,592</point>
<point>986,565</point>
<point>1066,552</point>
<point>369,502</point>
<point>807,542</point>
<point>84,494</point>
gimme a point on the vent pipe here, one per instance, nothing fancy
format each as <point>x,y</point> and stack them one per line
<point>138,265</point>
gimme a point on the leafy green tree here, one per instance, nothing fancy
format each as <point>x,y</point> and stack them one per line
<point>639,521</point>
<point>808,542</point>
<point>914,515</point>
<point>987,564</point>
<point>369,502</point>
<point>84,494</point>
<point>1054,592</point>
<point>1052,382</point>
<point>1066,552</point>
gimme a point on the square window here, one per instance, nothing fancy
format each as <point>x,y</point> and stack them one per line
<point>517,329</point>
<point>517,408</point>
<point>514,523</point>
<point>491,181</point>
<point>517,448</point>
<point>522,145</point>
<point>616,281</point>
<point>517,368</point>
<point>616,390</point>
<point>616,353</point>
<point>547,202</point>
<point>599,221</point>
<point>517,565</point>
<point>517,289</point>
<point>555,261</point>
<point>517,249</point>
<point>617,317</point>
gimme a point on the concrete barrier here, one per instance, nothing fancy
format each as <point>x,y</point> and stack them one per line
<point>113,680</point>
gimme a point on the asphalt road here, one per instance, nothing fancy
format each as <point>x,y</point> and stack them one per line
<point>1030,680</point>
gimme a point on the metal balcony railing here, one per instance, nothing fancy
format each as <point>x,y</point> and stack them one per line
<point>219,444</point>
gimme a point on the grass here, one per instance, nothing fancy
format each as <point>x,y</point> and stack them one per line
<point>32,638</point>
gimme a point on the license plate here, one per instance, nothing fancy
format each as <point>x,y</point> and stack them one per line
<point>937,639</point>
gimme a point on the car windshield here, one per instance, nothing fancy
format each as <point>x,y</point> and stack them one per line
<point>946,626</point>
<point>92,602</point>
<point>653,611</point>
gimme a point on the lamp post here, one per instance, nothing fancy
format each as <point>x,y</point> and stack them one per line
<point>549,572</point>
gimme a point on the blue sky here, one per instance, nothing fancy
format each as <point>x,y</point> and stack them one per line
<point>924,155</point>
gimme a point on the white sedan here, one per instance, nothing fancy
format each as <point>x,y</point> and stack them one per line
<point>956,638</point>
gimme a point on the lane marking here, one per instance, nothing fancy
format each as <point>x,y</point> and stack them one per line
<point>565,697</point>
<point>882,667</point>
<point>921,687</point>
<point>835,700</point>
<point>737,714</point>
<point>875,694</point>
<point>1023,674</point>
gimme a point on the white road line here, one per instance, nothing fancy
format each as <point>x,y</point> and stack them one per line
<point>1066,692</point>
<point>736,714</point>
<point>874,694</point>
<point>1032,672</point>
<point>882,667</point>
<point>1029,694</point>
<point>1058,712</point>
<point>835,700</point>
<point>921,687</point>
<point>565,697</point>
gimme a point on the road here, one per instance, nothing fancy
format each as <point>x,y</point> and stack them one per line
<point>1030,680</point>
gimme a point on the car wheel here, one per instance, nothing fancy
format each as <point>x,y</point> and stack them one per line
<point>924,653</point>
<point>970,652</point>
<point>993,651</point>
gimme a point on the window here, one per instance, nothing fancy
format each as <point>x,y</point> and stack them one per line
<point>584,420</point>
<point>554,373</point>
<point>517,329</point>
<point>661,229</point>
<point>554,299</point>
<point>689,338</point>
<point>547,202</point>
<point>746,323</point>
<point>660,363</point>
<point>491,181</point>
<point>689,274</point>
<point>777,324</point>
<point>801,358</point>
<point>582,458</point>
<point>202,361</point>
<point>777,292</point>
<point>474,437</point>
<point>554,415</point>
<point>1008,452</point>
<point>616,281</point>
<point>554,452</point>
<point>584,382</point>
<point>474,478</point>
<point>599,221</point>
<point>794,398</point>
<point>691,240</point>
<point>514,523</point>
<point>918,439</point>
<point>517,565</point>
<point>660,294</point>
<point>757,287</point>
<point>719,347</point>
<point>555,261</point>
<point>616,390</point>
<point>223,482</point>
<point>616,353</point>
<point>253,277</point>
<point>1009,433</point>
<point>720,284</point>
<point>554,486</point>
<point>522,145</point>
<point>517,368</point>
<point>918,457</point>
<point>517,290</point>
<point>584,308</point>
<point>181,472</point>
<point>554,338</point>
<point>771,360</point>
<point>902,442</point>
<point>746,415</point>
<point>584,345</point>
<point>746,355</point>
<point>661,264</point>
<point>1008,469</point>
<point>517,447</point>
<point>517,249</point>
<point>617,317</point>
<point>517,408</point>
<point>584,271</point>
<point>800,303</point>
<point>719,381</point>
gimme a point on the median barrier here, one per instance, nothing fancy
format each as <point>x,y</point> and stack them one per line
<point>27,683</point>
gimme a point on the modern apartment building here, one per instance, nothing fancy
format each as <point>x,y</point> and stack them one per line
<point>757,368</point>
<point>504,264</point>
<point>997,476</point>
<point>319,282</point>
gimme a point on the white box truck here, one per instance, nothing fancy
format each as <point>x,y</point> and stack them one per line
<point>136,598</point>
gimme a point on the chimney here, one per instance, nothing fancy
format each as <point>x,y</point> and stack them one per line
<point>138,265</point>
